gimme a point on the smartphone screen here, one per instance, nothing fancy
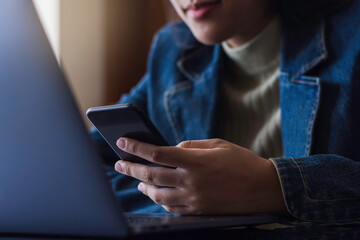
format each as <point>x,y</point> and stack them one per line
<point>125,120</point>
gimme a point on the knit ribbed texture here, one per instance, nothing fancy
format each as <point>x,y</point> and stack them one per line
<point>251,108</point>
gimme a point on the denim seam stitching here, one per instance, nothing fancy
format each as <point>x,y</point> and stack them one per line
<point>304,69</point>
<point>311,123</point>
<point>307,194</point>
<point>311,80</point>
<point>177,88</point>
<point>302,79</point>
<point>180,64</point>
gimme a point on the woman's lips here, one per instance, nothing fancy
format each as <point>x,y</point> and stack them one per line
<point>199,10</point>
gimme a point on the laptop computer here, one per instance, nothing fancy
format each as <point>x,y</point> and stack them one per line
<point>51,178</point>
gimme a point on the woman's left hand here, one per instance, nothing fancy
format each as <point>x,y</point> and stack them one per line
<point>208,177</point>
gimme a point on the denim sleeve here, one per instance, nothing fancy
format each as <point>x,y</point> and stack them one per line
<point>324,188</point>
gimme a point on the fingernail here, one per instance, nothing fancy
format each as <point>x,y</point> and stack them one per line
<point>118,167</point>
<point>141,187</point>
<point>121,143</point>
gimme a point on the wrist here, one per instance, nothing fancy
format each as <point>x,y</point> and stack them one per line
<point>273,190</point>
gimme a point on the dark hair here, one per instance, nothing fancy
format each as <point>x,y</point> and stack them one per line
<point>307,11</point>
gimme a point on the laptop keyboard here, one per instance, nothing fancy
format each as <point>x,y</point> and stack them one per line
<point>136,220</point>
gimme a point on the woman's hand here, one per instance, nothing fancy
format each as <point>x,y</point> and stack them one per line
<point>209,177</point>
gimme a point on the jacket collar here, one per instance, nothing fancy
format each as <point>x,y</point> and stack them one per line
<point>201,63</point>
<point>302,49</point>
<point>193,103</point>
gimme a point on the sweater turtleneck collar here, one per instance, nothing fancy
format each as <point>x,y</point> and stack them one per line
<point>259,54</point>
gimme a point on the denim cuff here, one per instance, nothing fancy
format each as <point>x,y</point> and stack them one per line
<point>312,192</point>
<point>290,181</point>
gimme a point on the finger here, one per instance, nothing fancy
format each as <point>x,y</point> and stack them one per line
<point>159,176</point>
<point>163,196</point>
<point>167,156</point>
<point>203,144</point>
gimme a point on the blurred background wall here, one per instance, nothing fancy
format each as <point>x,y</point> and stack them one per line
<point>102,45</point>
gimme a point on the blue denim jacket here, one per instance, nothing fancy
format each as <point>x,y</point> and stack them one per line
<point>320,107</point>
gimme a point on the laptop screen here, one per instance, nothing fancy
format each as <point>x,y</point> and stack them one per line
<point>51,179</point>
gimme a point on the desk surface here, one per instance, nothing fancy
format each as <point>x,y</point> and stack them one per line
<point>284,229</point>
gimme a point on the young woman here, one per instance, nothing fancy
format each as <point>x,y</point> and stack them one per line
<point>282,96</point>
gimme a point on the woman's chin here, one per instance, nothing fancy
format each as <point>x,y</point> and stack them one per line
<point>210,39</point>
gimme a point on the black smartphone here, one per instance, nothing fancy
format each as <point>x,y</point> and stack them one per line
<point>125,120</point>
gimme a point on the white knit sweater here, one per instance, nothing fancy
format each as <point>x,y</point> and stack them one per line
<point>251,109</point>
